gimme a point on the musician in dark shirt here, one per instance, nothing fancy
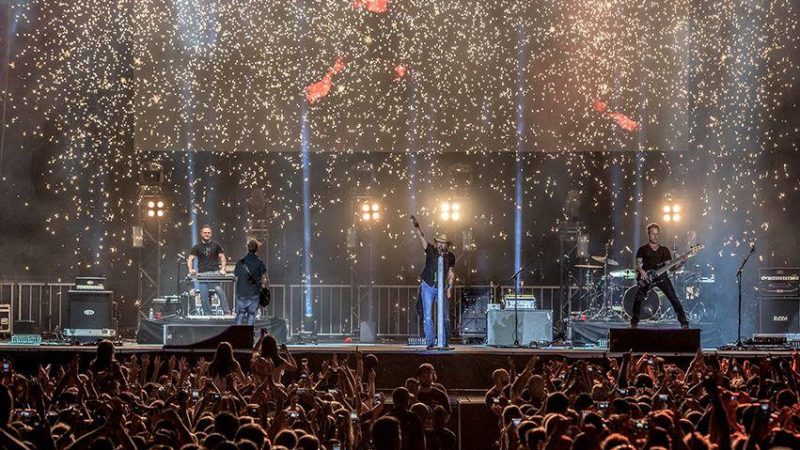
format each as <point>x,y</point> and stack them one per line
<point>251,276</point>
<point>211,260</point>
<point>649,257</point>
<point>429,284</point>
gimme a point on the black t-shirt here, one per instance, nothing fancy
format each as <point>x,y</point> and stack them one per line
<point>434,397</point>
<point>441,439</point>
<point>411,428</point>
<point>207,255</point>
<point>652,259</point>
<point>246,285</point>
<point>432,262</point>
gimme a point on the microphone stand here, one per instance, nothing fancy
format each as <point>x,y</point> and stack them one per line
<point>515,278</point>
<point>739,343</point>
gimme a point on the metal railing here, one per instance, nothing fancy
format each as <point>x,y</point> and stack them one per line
<point>336,308</point>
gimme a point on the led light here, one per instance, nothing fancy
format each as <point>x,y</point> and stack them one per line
<point>376,207</point>
<point>676,208</point>
<point>456,215</point>
<point>151,204</point>
<point>365,216</point>
<point>376,216</point>
<point>445,216</point>
<point>160,204</point>
<point>456,207</point>
<point>445,207</point>
<point>667,208</point>
<point>667,217</point>
<point>676,217</point>
<point>365,207</point>
<point>151,213</point>
<point>160,213</point>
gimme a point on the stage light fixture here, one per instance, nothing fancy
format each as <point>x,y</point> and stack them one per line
<point>370,210</point>
<point>450,210</point>
<point>672,210</point>
<point>154,207</point>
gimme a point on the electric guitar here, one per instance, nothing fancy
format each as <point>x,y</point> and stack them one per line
<point>654,275</point>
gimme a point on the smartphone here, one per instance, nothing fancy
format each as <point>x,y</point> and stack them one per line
<point>336,447</point>
<point>650,361</point>
<point>215,396</point>
<point>623,392</point>
<point>6,367</point>
<point>353,416</point>
<point>25,414</point>
<point>602,405</point>
<point>516,422</point>
<point>294,415</point>
<point>301,391</point>
<point>765,406</point>
<point>253,412</point>
<point>663,397</point>
<point>195,394</point>
<point>641,424</point>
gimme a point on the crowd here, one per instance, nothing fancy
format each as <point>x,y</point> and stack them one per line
<point>276,402</point>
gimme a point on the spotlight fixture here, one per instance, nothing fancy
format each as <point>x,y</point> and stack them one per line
<point>672,210</point>
<point>369,209</point>
<point>451,211</point>
<point>154,207</point>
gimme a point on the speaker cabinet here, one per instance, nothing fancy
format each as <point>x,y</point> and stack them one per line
<point>654,340</point>
<point>534,325</point>
<point>779,315</point>
<point>90,310</point>
<point>207,336</point>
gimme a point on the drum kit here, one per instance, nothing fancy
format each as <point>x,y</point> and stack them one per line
<point>607,293</point>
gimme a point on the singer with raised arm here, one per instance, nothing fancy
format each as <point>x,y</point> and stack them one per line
<point>211,260</point>
<point>430,281</point>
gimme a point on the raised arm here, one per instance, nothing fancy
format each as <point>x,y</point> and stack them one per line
<point>222,263</point>
<point>419,233</point>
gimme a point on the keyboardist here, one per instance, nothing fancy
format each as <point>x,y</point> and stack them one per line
<point>210,261</point>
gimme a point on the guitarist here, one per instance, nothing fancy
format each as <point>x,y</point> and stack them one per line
<point>251,278</point>
<point>649,257</point>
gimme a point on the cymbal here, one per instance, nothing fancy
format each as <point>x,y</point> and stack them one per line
<point>603,259</point>
<point>587,266</point>
<point>627,274</point>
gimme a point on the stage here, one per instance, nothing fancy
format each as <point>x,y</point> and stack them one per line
<point>464,368</point>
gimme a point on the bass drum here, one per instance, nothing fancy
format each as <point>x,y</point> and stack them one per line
<point>650,305</point>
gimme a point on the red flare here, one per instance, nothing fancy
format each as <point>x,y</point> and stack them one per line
<point>624,122</point>
<point>400,72</point>
<point>320,89</point>
<point>600,106</point>
<point>373,6</point>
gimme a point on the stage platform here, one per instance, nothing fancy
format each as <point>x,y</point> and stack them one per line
<point>462,368</point>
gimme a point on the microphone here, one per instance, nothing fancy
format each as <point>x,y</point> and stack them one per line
<point>181,257</point>
<point>752,247</point>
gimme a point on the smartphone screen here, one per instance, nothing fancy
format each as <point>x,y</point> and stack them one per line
<point>516,422</point>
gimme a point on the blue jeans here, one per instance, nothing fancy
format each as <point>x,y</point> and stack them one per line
<point>205,296</point>
<point>429,295</point>
<point>246,308</point>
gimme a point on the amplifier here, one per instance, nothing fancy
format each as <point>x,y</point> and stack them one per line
<point>533,326</point>
<point>779,315</point>
<point>779,282</point>
<point>523,301</point>
<point>472,311</point>
<point>90,310</point>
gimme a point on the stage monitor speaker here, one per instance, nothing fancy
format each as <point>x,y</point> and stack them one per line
<point>654,340</point>
<point>472,311</point>
<point>779,315</point>
<point>207,336</point>
<point>89,310</point>
<point>534,326</point>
